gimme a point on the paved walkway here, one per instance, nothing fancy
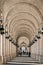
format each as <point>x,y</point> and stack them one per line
<point>22,61</point>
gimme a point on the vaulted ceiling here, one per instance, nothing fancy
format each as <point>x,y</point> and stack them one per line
<point>22,17</point>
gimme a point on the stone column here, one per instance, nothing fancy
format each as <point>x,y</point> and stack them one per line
<point>7,49</point>
<point>41,49</point>
<point>1,56</point>
<point>13,51</point>
<point>27,50</point>
<point>32,51</point>
<point>37,58</point>
<point>35,50</point>
<point>10,50</point>
<point>3,47</point>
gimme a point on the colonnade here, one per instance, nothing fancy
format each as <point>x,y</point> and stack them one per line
<point>7,49</point>
<point>37,50</point>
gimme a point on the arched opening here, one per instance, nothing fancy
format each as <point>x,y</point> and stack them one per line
<point>23,49</point>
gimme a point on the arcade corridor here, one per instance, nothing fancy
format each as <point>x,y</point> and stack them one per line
<point>21,32</point>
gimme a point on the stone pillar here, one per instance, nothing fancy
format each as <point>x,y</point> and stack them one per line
<point>35,51</point>
<point>28,49</point>
<point>13,51</point>
<point>7,49</point>
<point>37,58</point>
<point>32,51</point>
<point>41,50</point>
<point>1,56</point>
<point>3,47</point>
<point>10,50</point>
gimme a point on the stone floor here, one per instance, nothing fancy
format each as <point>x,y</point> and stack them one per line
<point>23,61</point>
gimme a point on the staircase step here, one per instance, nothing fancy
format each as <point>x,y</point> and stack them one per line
<point>20,63</point>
